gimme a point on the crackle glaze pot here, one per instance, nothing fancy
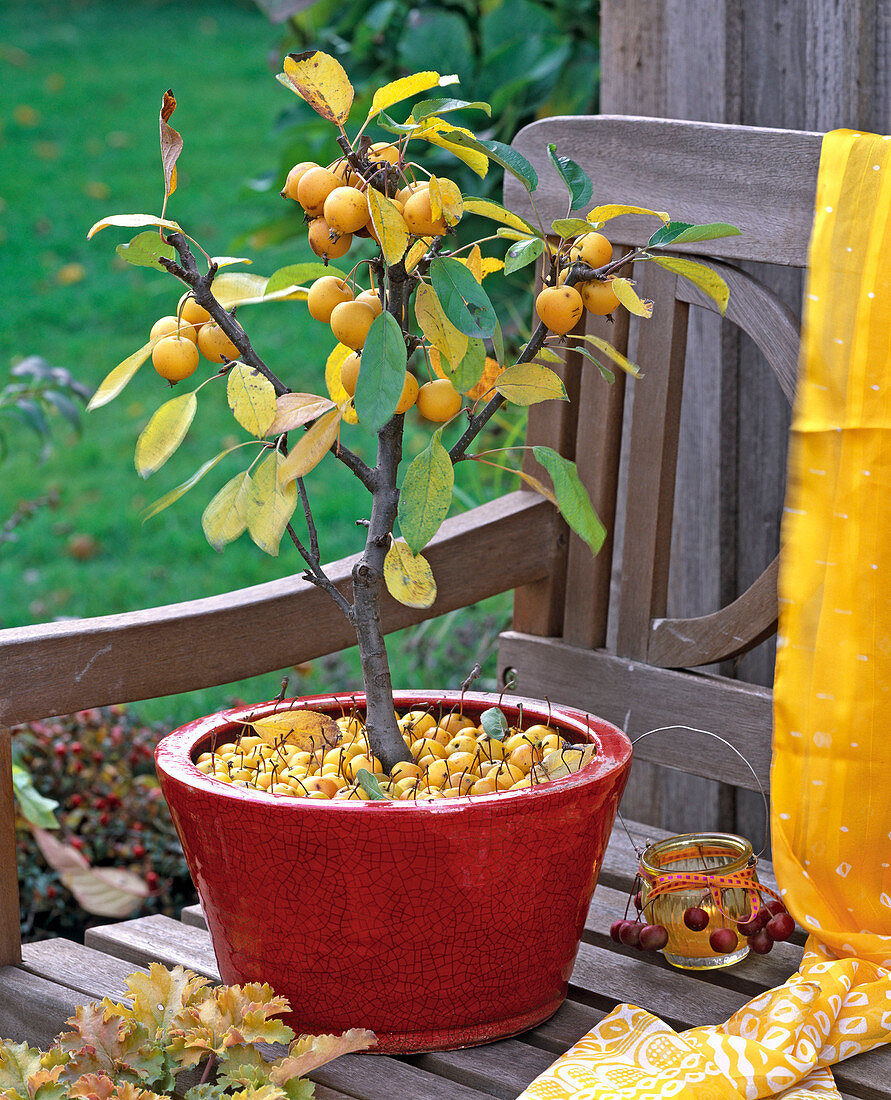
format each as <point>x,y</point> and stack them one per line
<point>436,924</point>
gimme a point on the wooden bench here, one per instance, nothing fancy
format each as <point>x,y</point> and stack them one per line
<point>590,633</point>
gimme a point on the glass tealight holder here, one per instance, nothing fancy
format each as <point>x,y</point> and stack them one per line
<point>713,856</point>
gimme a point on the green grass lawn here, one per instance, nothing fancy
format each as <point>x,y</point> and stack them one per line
<point>79,140</point>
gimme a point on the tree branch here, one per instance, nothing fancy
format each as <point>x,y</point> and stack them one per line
<point>317,576</point>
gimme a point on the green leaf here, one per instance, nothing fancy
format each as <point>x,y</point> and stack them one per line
<point>470,370</point>
<point>509,159</point>
<point>163,434</point>
<point>18,1062</point>
<point>529,383</point>
<point>685,232</point>
<point>426,494</point>
<point>572,497</point>
<point>494,723</point>
<point>223,519</point>
<point>429,107</point>
<point>570,227</point>
<point>299,275</point>
<point>382,376</point>
<point>145,250</point>
<point>522,253</point>
<point>498,344</point>
<point>574,176</point>
<point>370,785</point>
<point>708,280</point>
<point>132,221</point>
<point>35,808</point>
<point>170,498</point>
<point>463,300</point>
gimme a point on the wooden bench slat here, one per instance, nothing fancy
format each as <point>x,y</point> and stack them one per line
<point>503,1069</point>
<point>32,1009</point>
<point>87,971</point>
<point>157,939</point>
<point>369,1077</point>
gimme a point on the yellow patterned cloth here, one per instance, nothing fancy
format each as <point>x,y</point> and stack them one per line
<point>831,775</point>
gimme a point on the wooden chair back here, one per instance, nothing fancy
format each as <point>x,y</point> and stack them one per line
<point>596,633</point>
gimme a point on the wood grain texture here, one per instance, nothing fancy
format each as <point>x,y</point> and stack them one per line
<point>57,668</point>
<point>33,1010</point>
<point>10,936</point>
<point>761,180</point>
<point>638,697</point>
<point>88,972</point>
<point>652,457</point>
<point>156,939</point>
<point>501,1069</point>
<point>722,635</point>
<point>598,451</point>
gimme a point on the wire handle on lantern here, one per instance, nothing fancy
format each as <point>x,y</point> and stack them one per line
<point>733,748</point>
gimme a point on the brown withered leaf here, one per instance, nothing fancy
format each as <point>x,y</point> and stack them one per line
<point>563,762</point>
<point>171,142</point>
<point>307,729</point>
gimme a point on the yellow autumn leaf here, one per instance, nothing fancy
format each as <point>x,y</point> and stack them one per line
<point>389,224</point>
<point>311,448</point>
<point>436,327</point>
<point>600,215</point>
<point>708,280</point>
<point>446,201</point>
<point>164,432</point>
<point>529,383</point>
<point>224,519</point>
<point>293,410</point>
<point>307,729</point>
<point>628,296</point>
<point>563,762</point>
<point>611,353</point>
<point>416,253</point>
<point>408,576</point>
<point>436,130</point>
<point>336,391</point>
<point>268,503</point>
<point>112,384</point>
<point>495,212</point>
<point>321,80</point>
<point>514,234</point>
<point>132,221</point>
<point>538,486</point>
<point>406,86</point>
<point>473,261</point>
<point>251,398</point>
<point>491,264</point>
<point>235,288</point>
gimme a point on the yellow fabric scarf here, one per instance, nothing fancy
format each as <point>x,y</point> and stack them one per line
<point>831,776</point>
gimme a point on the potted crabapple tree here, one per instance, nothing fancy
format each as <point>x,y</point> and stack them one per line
<point>385,858</point>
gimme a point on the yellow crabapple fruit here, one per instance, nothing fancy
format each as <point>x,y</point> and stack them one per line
<point>419,721</point>
<point>349,372</point>
<point>289,191</point>
<point>171,326</point>
<point>345,209</point>
<point>598,296</point>
<point>593,249</point>
<point>409,396</point>
<point>321,242</point>
<point>438,400</point>
<point>191,312</point>
<point>383,152</point>
<point>175,358</point>
<point>405,193</point>
<point>559,307</point>
<point>350,322</point>
<point>325,294</point>
<point>371,298</point>
<point>315,185</point>
<point>418,216</point>
<point>455,722</point>
<point>214,344</point>
<point>343,171</point>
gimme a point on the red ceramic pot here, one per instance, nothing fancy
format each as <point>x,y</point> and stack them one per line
<point>436,924</point>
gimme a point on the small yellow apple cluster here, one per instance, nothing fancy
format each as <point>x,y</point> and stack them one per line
<point>561,307</point>
<point>451,757</point>
<point>181,336</point>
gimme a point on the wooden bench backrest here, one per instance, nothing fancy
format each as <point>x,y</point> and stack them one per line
<point>619,654</point>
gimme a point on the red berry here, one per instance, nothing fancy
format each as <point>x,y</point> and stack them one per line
<point>761,943</point>
<point>76,799</point>
<point>722,941</point>
<point>630,934</point>
<point>98,757</point>
<point>76,842</point>
<point>695,918</point>
<point>638,901</point>
<point>138,851</point>
<point>104,819</point>
<point>775,908</point>
<point>653,937</point>
<point>152,879</point>
<point>59,748</point>
<point>51,892</point>
<point>615,930</point>
<point>780,927</point>
<point>76,747</point>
